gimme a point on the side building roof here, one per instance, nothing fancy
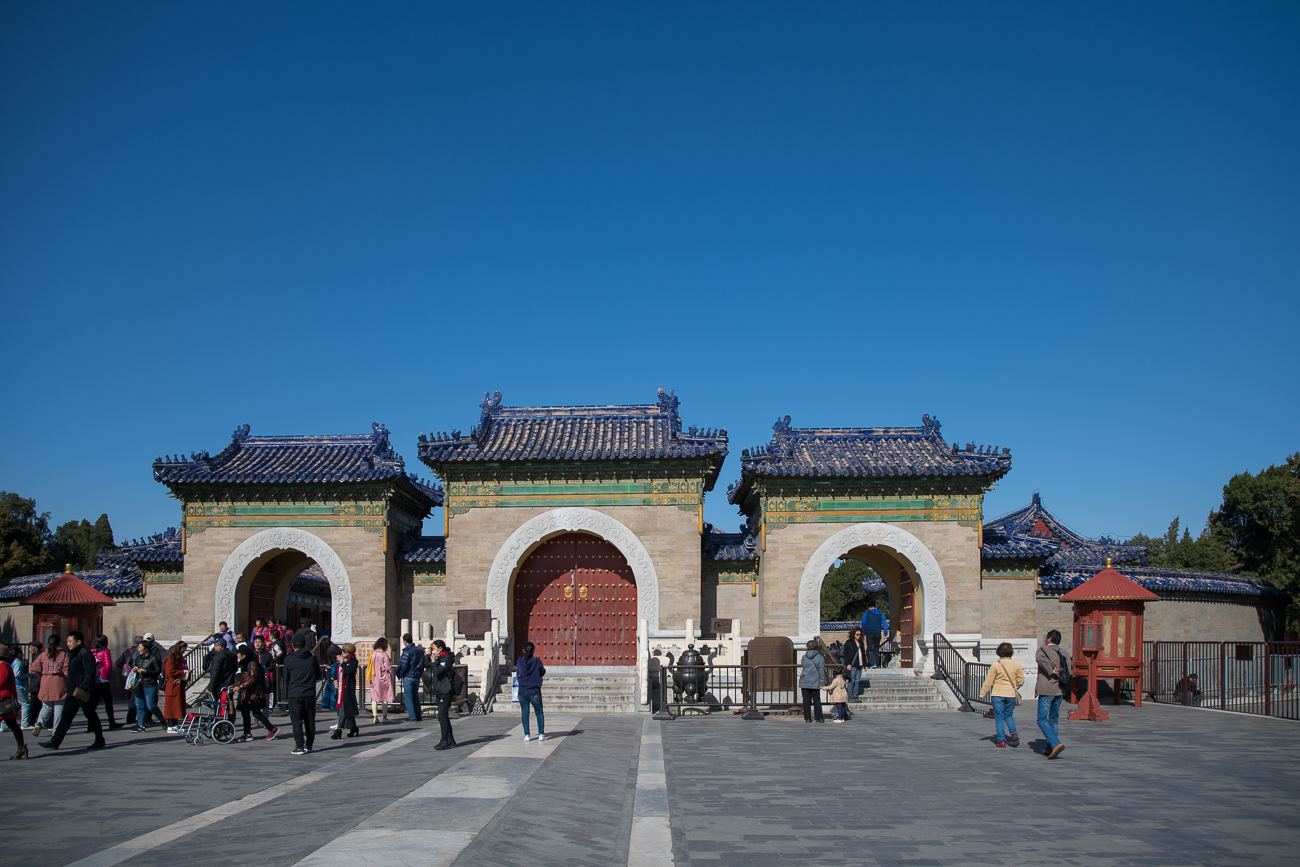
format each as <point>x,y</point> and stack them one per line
<point>543,434</point>
<point>1034,533</point>
<point>866,453</point>
<point>286,460</point>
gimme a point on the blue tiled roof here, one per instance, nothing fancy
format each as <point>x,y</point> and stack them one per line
<point>718,545</point>
<point>1162,581</point>
<point>124,581</point>
<point>250,460</point>
<point>866,452</point>
<point>162,547</point>
<point>576,433</point>
<point>424,549</point>
<point>1036,533</point>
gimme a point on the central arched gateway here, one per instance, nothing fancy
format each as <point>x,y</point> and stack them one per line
<point>575,598</point>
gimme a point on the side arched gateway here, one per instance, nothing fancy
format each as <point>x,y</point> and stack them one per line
<point>897,542</point>
<point>257,546</point>
<point>621,560</point>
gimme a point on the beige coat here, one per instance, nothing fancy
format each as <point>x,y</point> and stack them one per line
<point>1004,679</point>
<point>839,691</point>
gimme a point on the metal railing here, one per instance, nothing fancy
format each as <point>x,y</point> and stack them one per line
<point>966,679</point>
<point>1254,677</point>
<point>753,689</point>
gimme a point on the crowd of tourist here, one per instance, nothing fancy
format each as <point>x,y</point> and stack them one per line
<point>66,677</point>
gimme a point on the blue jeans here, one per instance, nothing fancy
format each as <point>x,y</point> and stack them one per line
<point>411,696</point>
<point>25,715</point>
<point>533,698</point>
<point>146,705</point>
<point>1003,709</point>
<point>855,681</point>
<point>1049,710</point>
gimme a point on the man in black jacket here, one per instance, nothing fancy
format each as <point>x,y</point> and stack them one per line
<point>223,668</point>
<point>81,693</point>
<point>301,671</point>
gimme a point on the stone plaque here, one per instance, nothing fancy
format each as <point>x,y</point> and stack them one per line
<point>473,622</point>
<point>720,626</point>
<point>772,650</point>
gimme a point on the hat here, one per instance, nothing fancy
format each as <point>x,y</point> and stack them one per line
<point>148,636</point>
<point>349,648</point>
<point>5,652</point>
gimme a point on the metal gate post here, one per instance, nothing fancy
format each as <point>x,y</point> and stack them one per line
<point>1268,681</point>
<point>753,713</point>
<point>663,713</point>
<point>1187,687</point>
<point>1223,675</point>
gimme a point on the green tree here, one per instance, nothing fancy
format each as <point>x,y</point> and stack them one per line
<point>78,543</point>
<point>24,537</point>
<point>1207,551</point>
<point>842,595</point>
<point>1260,524</point>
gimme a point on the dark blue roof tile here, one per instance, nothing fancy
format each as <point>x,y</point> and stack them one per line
<point>1033,528</point>
<point>250,460</point>
<point>1169,581</point>
<point>424,549</point>
<point>112,581</point>
<point>868,452</point>
<point>718,545</point>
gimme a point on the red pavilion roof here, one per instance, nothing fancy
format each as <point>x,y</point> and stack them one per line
<point>67,589</point>
<point>1109,586</point>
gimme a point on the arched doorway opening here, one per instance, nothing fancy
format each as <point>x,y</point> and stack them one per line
<point>575,598</point>
<point>892,587</point>
<point>288,587</point>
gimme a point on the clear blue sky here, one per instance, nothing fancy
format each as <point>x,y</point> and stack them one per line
<point>1071,229</point>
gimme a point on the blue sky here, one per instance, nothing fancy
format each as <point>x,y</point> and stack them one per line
<point>1067,229</point>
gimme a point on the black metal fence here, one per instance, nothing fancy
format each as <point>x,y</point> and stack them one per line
<point>1255,677</point>
<point>963,677</point>
<point>751,689</point>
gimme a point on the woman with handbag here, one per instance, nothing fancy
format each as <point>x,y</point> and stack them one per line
<point>252,695</point>
<point>52,668</point>
<point>174,669</point>
<point>382,692</point>
<point>9,707</point>
<point>1004,680</point>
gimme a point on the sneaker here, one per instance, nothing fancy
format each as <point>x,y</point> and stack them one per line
<point>98,745</point>
<point>242,739</point>
<point>270,736</point>
<point>299,751</point>
<point>36,730</point>
<point>837,721</point>
<point>1055,751</point>
<point>527,738</point>
<point>1015,739</point>
<point>541,737</point>
<point>999,743</point>
<point>139,729</point>
<point>174,730</point>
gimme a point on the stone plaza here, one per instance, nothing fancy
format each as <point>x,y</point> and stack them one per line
<point>1160,785</point>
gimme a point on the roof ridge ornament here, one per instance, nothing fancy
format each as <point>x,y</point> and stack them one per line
<point>241,433</point>
<point>669,404</point>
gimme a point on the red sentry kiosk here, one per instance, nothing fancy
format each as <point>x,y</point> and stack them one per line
<point>1108,612</point>
<point>67,603</point>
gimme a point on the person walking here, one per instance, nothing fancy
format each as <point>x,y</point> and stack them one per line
<point>173,686</point>
<point>301,671</point>
<point>853,655</point>
<point>1053,673</point>
<point>81,669</point>
<point>123,663</point>
<point>10,706</point>
<point>266,659</point>
<point>104,679</point>
<point>1004,680</point>
<point>345,688</point>
<point>223,668</point>
<point>874,626</point>
<point>530,671</point>
<point>148,668</point>
<point>811,678</point>
<point>18,667</point>
<point>444,691</point>
<point>252,695</point>
<point>52,668</point>
<point>839,696</point>
<point>409,668</point>
<point>380,675</point>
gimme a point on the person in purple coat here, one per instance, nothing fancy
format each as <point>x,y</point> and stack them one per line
<point>530,671</point>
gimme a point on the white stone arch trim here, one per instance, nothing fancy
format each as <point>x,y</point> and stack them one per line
<point>567,520</point>
<point>283,539</point>
<point>888,536</point>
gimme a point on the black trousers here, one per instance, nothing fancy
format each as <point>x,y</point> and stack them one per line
<point>302,713</point>
<point>444,717</point>
<point>16,729</point>
<point>873,649</point>
<point>812,702</point>
<point>258,712</point>
<point>71,705</point>
<point>105,693</point>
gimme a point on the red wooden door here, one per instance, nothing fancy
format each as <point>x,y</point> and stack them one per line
<point>575,599</point>
<point>906,622</point>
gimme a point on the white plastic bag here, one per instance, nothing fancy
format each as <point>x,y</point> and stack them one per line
<point>514,689</point>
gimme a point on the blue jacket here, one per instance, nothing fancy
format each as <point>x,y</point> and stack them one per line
<point>411,663</point>
<point>874,622</point>
<point>530,671</point>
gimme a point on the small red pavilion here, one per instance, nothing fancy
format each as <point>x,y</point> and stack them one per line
<point>1108,610</point>
<point>67,603</point>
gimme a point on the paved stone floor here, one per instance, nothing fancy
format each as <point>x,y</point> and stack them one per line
<point>1156,786</point>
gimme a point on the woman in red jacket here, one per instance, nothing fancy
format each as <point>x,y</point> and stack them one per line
<point>9,692</point>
